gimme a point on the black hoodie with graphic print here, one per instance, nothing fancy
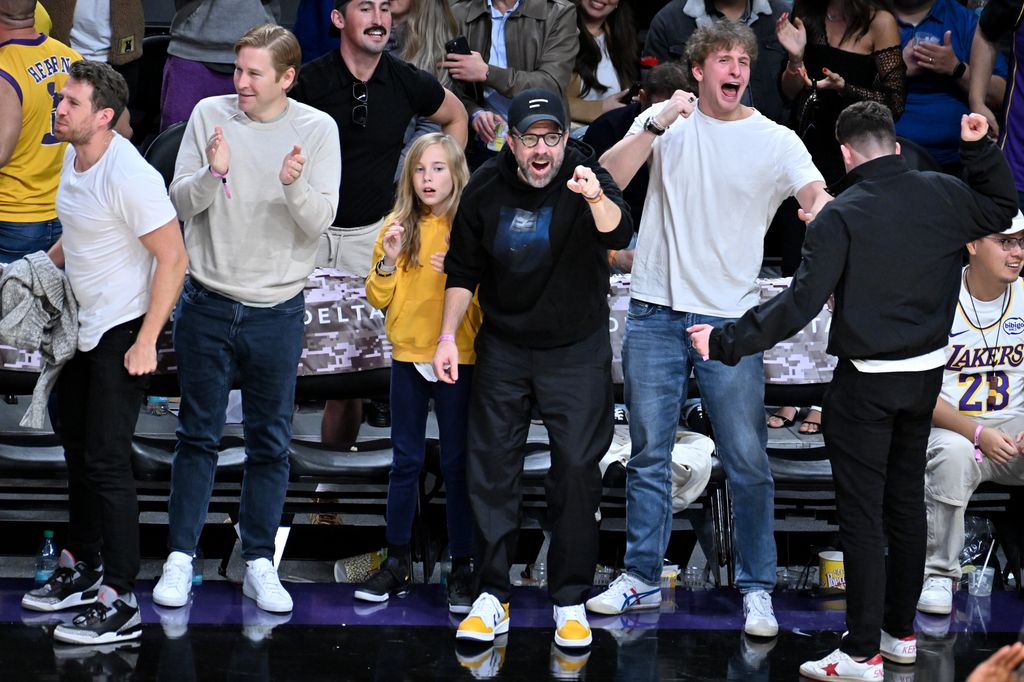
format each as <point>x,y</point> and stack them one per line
<point>539,260</point>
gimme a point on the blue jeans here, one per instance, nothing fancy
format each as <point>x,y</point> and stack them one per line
<point>20,239</point>
<point>215,339</point>
<point>410,397</point>
<point>657,357</point>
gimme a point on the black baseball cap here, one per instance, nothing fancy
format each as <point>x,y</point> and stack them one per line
<point>533,106</point>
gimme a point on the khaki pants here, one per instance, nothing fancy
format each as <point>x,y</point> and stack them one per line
<point>348,249</point>
<point>951,477</point>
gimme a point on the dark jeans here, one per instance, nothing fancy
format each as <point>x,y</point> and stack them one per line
<point>99,405</point>
<point>217,339</point>
<point>876,431</point>
<point>20,239</point>
<point>572,389</point>
<point>410,398</point>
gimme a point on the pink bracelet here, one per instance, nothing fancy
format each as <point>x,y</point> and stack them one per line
<point>977,448</point>
<point>446,337</point>
<point>223,177</point>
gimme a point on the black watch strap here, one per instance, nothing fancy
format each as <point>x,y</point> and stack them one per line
<point>959,71</point>
<point>653,127</point>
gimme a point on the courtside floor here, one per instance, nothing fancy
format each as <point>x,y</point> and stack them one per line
<point>329,636</point>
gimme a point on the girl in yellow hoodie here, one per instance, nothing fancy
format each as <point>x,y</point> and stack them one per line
<point>407,281</point>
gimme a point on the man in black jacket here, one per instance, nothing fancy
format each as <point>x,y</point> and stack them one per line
<point>889,247</point>
<point>532,230</point>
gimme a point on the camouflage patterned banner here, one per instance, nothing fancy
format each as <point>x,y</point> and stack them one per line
<point>344,333</point>
<point>798,360</point>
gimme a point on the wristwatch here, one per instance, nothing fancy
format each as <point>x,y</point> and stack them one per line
<point>653,127</point>
<point>959,71</point>
<point>385,270</point>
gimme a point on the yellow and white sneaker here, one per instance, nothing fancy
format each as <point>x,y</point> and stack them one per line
<point>483,662</point>
<point>568,664</point>
<point>487,618</point>
<point>571,626</point>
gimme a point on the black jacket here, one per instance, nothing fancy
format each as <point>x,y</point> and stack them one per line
<point>890,246</point>
<point>541,264</point>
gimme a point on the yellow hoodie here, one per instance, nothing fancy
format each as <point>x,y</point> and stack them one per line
<point>414,298</point>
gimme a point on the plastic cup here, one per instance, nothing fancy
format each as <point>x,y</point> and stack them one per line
<point>979,582</point>
<point>926,37</point>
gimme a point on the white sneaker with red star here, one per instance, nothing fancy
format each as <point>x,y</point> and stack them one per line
<point>839,666</point>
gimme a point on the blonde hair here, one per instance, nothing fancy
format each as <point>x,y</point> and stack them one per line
<point>408,209</point>
<point>430,24</point>
<point>281,43</point>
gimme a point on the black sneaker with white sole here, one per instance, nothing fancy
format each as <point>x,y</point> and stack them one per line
<point>110,619</point>
<point>391,578</point>
<point>460,589</point>
<point>72,583</point>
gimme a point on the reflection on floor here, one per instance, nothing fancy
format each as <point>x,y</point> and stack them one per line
<point>221,635</point>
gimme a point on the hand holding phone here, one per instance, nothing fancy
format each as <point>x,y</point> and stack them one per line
<point>633,91</point>
<point>457,45</point>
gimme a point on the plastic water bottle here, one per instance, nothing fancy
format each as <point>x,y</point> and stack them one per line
<point>46,559</point>
<point>197,567</point>
<point>156,405</point>
<point>540,573</point>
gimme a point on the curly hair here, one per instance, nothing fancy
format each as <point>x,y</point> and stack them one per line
<point>720,35</point>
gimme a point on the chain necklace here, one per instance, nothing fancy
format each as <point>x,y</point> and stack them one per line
<point>977,318</point>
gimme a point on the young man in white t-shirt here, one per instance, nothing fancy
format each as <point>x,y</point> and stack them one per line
<point>978,419</point>
<point>125,259</point>
<point>719,171</point>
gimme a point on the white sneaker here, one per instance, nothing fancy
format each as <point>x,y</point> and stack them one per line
<point>838,666</point>
<point>936,595</point>
<point>175,583</point>
<point>571,627</point>
<point>759,617</point>
<point>626,593</point>
<point>487,618</point>
<point>899,649</point>
<point>262,584</point>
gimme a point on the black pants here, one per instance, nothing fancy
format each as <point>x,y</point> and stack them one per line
<point>876,430</point>
<point>99,405</point>
<point>572,389</point>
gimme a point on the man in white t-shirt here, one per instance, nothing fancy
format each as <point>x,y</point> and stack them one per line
<point>719,171</point>
<point>978,420</point>
<point>124,256</point>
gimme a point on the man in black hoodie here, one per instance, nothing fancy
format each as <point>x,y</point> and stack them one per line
<point>533,229</point>
<point>889,246</point>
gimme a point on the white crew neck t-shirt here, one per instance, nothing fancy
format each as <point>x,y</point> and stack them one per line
<point>715,187</point>
<point>104,211</point>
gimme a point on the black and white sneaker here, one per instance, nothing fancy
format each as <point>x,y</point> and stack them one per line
<point>391,578</point>
<point>71,584</point>
<point>110,619</point>
<point>104,662</point>
<point>619,415</point>
<point>460,589</point>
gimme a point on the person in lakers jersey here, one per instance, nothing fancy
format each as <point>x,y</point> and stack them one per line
<point>978,424</point>
<point>33,69</point>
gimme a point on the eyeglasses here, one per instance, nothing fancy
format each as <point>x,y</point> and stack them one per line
<point>530,141</point>
<point>360,111</point>
<point>1007,243</point>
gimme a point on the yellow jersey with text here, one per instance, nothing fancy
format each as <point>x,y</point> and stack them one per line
<point>36,68</point>
<point>984,377</point>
